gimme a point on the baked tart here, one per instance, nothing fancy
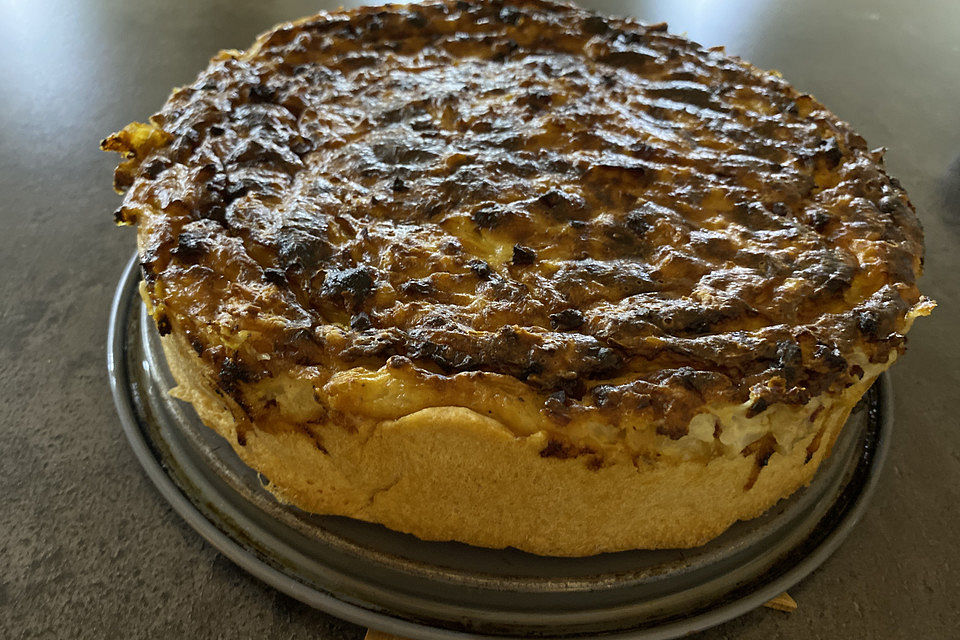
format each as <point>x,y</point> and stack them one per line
<point>517,274</point>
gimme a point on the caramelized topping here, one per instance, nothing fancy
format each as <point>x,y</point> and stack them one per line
<point>586,204</point>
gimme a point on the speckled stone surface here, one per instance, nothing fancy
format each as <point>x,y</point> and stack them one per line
<point>88,548</point>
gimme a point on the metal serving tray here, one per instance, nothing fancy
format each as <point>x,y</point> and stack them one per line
<point>394,582</point>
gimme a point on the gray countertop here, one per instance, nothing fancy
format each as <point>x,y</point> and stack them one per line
<point>89,549</point>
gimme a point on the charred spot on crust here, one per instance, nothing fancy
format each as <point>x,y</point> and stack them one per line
<point>556,449</point>
<point>301,249</point>
<point>315,437</point>
<point>262,93</point>
<point>191,246</point>
<point>275,276</point>
<point>447,357</point>
<point>489,216</point>
<point>556,403</point>
<point>155,167</point>
<point>696,380</point>
<point>639,221</point>
<point>635,60</point>
<point>759,406</point>
<point>831,357</point>
<point>780,209</point>
<point>523,255</point>
<point>451,247</point>
<point>819,220</point>
<point>124,216</point>
<point>567,320</point>
<point>595,463</point>
<point>789,359</point>
<point>231,375</point>
<point>561,204</point>
<point>297,340</point>
<point>601,360</point>
<point>891,204</point>
<point>673,429</point>
<point>147,259</point>
<point>602,394</point>
<point>830,151</point>
<point>421,287</point>
<point>163,323</point>
<point>595,25</point>
<point>349,287</point>
<point>536,100</point>
<point>360,322</point>
<point>480,268</point>
<point>561,450</point>
<point>814,445</point>
<point>826,271</point>
<point>688,93</point>
<point>762,450</point>
<point>416,19</point>
<point>873,324</point>
<point>509,15</point>
<point>579,279</point>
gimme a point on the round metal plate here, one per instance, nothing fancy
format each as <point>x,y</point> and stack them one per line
<point>394,582</point>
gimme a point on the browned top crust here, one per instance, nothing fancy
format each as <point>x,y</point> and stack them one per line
<point>615,216</point>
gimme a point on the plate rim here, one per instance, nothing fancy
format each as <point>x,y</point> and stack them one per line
<point>330,603</point>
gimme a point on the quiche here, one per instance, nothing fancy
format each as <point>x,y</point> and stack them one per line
<point>513,273</point>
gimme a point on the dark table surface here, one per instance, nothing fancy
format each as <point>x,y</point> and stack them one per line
<point>89,549</point>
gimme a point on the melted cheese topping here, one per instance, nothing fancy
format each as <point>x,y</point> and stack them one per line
<point>524,207</point>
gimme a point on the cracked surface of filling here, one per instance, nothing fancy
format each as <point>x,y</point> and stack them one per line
<point>575,224</point>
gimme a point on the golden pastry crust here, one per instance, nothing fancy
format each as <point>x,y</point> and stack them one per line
<point>451,473</point>
<point>580,246</point>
